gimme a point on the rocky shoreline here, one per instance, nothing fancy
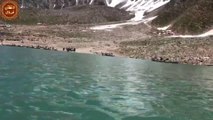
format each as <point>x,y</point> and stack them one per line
<point>195,51</point>
<point>70,49</point>
<point>132,41</point>
<point>34,47</point>
<point>136,49</point>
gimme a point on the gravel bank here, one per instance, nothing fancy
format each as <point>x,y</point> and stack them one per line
<point>196,51</point>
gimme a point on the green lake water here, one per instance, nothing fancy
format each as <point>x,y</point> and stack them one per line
<point>48,85</point>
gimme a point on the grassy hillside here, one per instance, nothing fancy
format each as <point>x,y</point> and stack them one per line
<point>187,16</point>
<point>72,15</point>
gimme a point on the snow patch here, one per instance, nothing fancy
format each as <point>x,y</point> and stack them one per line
<point>149,19</point>
<point>164,28</point>
<point>209,33</point>
<point>139,7</point>
<point>117,25</point>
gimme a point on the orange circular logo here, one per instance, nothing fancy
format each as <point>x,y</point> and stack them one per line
<point>9,9</point>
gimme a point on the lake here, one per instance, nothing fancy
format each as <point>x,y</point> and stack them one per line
<point>48,85</point>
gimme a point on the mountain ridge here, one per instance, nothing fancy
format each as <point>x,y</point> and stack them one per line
<point>183,16</point>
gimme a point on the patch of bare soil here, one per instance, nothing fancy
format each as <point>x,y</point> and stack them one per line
<point>77,36</point>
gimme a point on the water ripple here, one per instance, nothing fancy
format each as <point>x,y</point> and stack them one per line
<point>36,84</point>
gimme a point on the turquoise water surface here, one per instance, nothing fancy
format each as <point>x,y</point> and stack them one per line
<point>47,85</point>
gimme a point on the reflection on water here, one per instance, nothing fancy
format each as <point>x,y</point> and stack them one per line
<point>46,85</point>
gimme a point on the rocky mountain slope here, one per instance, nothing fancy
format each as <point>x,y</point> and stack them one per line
<point>187,16</point>
<point>72,15</point>
<point>57,4</point>
<point>137,7</point>
<point>183,16</point>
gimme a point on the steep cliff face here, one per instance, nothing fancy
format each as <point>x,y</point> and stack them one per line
<point>187,16</point>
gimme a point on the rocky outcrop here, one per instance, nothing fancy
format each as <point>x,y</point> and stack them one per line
<point>109,54</point>
<point>196,51</point>
<point>68,49</point>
